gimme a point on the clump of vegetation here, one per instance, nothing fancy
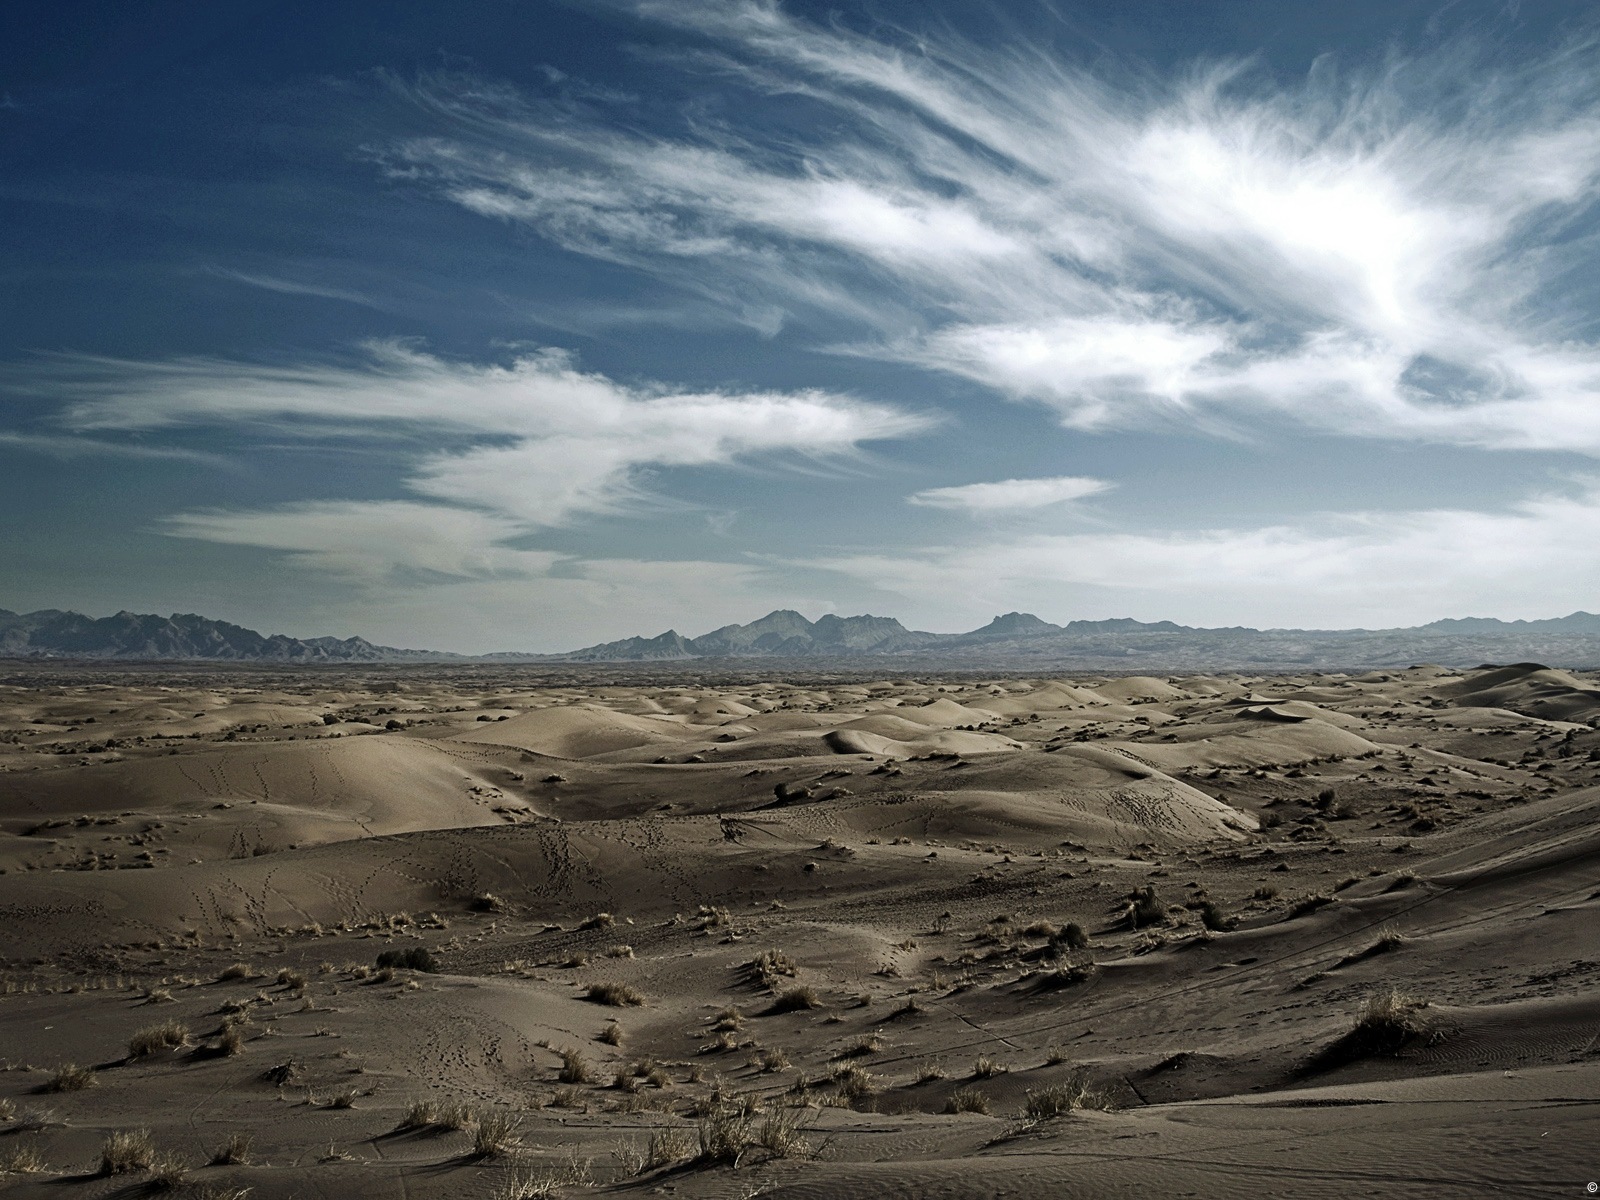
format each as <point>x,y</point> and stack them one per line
<point>169,1035</point>
<point>855,1084</point>
<point>601,920</point>
<point>1387,1023</point>
<point>611,1035</point>
<point>1062,1098</point>
<point>770,966</point>
<point>575,1067</point>
<point>1309,904</point>
<point>986,1067</point>
<point>167,1172</point>
<point>233,1151</point>
<point>234,971</point>
<point>415,958</point>
<point>21,1160</point>
<point>70,1077</point>
<point>1145,908</point>
<point>494,1133</point>
<point>794,999</point>
<point>1213,918</point>
<point>967,1100</point>
<point>617,995</point>
<point>1072,936</point>
<point>126,1151</point>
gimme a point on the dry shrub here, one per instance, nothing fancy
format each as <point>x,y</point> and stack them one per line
<point>126,1151</point>
<point>234,971</point>
<point>611,1035</point>
<point>1041,929</point>
<point>575,1067</point>
<point>1073,936</point>
<point>770,966</point>
<point>794,999</point>
<point>866,1044</point>
<point>167,1172</point>
<point>929,1072</point>
<point>495,1133</point>
<point>782,1133</point>
<point>668,1146</point>
<point>772,1059</point>
<point>70,1077</point>
<point>1146,908</point>
<point>169,1035</point>
<point>1062,1098</point>
<point>21,1160</point>
<point>617,995</point>
<point>235,1150</point>
<point>724,1135</point>
<point>1387,1022</point>
<point>967,1100</point>
<point>985,1067</point>
<point>602,920</point>
<point>855,1084</point>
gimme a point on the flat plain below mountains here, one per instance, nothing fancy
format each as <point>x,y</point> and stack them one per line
<point>500,931</point>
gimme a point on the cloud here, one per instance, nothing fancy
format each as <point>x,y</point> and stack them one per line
<point>1375,568</point>
<point>551,443</point>
<point>376,541</point>
<point>1393,250</point>
<point>1010,494</point>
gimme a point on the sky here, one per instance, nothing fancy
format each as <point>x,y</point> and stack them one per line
<point>526,324</point>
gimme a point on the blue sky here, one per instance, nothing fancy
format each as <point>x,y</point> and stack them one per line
<point>521,325</point>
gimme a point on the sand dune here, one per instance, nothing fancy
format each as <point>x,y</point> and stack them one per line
<point>906,855</point>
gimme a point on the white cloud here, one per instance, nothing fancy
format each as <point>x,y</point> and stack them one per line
<point>1209,248</point>
<point>1010,494</point>
<point>376,541</point>
<point>562,442</point>
<point>1370,568</point>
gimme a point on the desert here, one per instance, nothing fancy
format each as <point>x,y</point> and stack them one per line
<point>503,931</point>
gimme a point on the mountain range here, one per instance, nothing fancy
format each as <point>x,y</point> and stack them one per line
<point>51,633</point>
<point>1010,641</point>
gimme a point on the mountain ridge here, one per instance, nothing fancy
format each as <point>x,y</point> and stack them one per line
<point>1010,640</point>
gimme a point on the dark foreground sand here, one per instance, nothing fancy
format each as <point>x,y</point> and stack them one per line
<point>803,937</point>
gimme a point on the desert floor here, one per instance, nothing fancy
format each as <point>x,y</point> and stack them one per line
<point>797,935</point>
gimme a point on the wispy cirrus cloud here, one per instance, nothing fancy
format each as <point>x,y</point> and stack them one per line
<point>1010,495</point>
<point>1398,250</point>
<point>541,444</point>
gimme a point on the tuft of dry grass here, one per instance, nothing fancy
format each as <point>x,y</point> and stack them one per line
<point>495,1133</point>
<point>794,999</point>
<point>931,1072</point>
<point>167,1173</point>
<point>1062,1098</point>
<point>772,1059</point>
<point>235,971</point>
<point>611,1035</point>
<point>770,967</point>
<point>967,1100</point>
<point>126,1151</point>
<point>70,1077</point>
<point>668,1146</point>
<point>575,1067</point>
<point>21,1160</point>
<point>617,995</point>
<point>168,1035</point>
<point>985,1067</point>
<point>233,1151</point>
